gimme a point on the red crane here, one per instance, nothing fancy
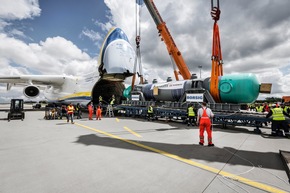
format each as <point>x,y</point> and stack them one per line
<point>217,62</point>
<point>169,42</point>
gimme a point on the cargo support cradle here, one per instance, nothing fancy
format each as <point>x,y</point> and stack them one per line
<point>225,114</point>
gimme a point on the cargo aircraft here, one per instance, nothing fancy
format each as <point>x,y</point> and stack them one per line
<point>116,62</point>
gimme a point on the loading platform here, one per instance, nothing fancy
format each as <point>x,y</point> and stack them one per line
<point>225,114</point>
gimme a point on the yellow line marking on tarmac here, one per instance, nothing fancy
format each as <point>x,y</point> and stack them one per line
<point>190,162</point>
<point>133,132</point>
<point>117,120</point>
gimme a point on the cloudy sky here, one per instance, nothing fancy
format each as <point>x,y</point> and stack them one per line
<point>64,37</point>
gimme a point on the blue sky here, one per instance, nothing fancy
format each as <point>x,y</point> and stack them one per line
<point>64,37</point>
<point>65,18</point>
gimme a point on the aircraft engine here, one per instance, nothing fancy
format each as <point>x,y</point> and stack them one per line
<point>31,91</point>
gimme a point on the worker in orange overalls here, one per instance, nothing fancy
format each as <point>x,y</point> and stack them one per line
<point>99,113</point>
<point>204,116</point>
<point>91,110</point>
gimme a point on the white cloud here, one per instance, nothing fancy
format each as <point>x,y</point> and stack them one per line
<point>105,26</point>
<point>53,56</point>
<point>94,36</point>
<point>3,24</point>
<point>62,49</point>
<point>122,15</point>
<point>17,33</point>
<point>19,9</point>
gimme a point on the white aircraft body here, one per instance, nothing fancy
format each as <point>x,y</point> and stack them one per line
<point>116,62</point>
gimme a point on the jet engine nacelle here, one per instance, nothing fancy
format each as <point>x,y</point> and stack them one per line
<point>31,91</point>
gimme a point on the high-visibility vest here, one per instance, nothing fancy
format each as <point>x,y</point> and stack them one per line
<point>278,114</point>
<point>112,101</point>
<point>70,109</point>
<point>191,112</point>
<point>259,109</point>
<point>285,109</point>
<point>150,109</point>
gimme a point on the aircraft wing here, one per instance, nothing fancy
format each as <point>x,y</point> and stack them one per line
<point>34,83</point>
<point>37,80</point>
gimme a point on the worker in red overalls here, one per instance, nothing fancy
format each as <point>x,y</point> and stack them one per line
<point>91,110</point>
<point>204,116</point>
<point>99,113</point>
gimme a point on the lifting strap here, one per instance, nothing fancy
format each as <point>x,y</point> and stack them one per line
<point>138,51</point>
<point>217,61</point>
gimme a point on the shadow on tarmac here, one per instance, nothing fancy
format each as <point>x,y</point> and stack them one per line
<point>227,155</point>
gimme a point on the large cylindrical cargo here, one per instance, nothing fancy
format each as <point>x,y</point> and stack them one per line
<point>167,91</point>
<point>237,88</point>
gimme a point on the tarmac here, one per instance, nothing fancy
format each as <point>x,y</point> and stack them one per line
<point>126,155</point>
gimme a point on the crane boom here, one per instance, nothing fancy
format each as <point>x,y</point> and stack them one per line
<point>168,40</point>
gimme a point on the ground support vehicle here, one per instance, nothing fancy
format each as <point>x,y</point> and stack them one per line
<point>16,110</point>
<point>51,113</point>
<point>36,106</point>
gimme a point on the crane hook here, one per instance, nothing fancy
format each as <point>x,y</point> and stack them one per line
<point>215,11</point>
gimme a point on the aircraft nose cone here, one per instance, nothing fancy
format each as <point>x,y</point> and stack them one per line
<point>117,56</point>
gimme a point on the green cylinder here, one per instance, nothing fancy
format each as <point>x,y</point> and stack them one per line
<point>239,88</point>
<point>126,92</point>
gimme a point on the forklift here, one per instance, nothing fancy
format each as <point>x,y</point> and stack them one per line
<point>16,110</point>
